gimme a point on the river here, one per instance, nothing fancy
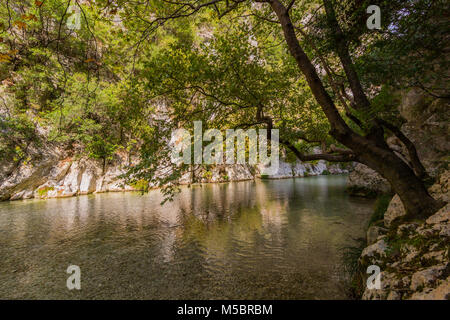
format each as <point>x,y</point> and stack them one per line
<point>265,239</point>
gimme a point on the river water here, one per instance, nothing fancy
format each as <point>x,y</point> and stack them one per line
<point>269,239</point>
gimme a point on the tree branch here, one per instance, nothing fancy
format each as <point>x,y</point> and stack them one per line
<point>338,126</point>
<point>417,165</point>
<point>342,51</point>
<point>342,157</point>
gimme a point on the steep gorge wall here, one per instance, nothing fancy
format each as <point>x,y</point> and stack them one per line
<point>52,174</point>
<point>427,126</point>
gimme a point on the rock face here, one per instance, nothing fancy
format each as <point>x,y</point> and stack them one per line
<point>394,211</point>
<point>441,292</point>
<point>427,126</point>
<point>300,169</point>
<point>20,182</point>
<point>415,261</point>
<point>55,175</point>
<point>374,233</point>
<point>413,257</point>
<point>363,181</point>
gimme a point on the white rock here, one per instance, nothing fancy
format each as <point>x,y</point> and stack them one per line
<point>427,277</point>
<point>394,211</point>
<point>88,182</point>
<point>441,292</point>
<point>72,179</point>
<point>364,180</point>
<point>375,251</point>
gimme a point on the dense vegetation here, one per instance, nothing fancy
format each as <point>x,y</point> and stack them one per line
<point>135,71</point>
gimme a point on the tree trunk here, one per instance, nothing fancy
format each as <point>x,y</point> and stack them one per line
<point>411,190</point>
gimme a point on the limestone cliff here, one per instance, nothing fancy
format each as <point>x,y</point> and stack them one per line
<point>427,126</point>
<point>51,173</point>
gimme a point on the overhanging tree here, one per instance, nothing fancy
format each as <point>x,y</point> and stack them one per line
<point>360,130</point>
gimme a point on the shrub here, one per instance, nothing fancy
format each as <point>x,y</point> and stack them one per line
<point>141,185</point>
<point>42,192</point>
<point>352,269</point>
<point>381,205</point>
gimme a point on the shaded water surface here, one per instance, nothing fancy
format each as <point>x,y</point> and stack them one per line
<point>276,239</point>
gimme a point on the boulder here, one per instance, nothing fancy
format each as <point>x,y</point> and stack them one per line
<point>427,277</point>
<point>363,181</point>
<point>441,292</point>
<point>394,211</point>
<point>375,252</point>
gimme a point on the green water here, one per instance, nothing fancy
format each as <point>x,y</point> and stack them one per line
<point>274,239</point>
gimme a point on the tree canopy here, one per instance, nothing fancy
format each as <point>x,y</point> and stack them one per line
<point>135,71</point>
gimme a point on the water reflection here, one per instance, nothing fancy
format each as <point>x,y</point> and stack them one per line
<point>274,239</point>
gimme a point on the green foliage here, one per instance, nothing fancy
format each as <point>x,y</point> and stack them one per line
<point>354,272</point>
<point>121,83</point>
<point>409,51</point>
<point>380,208</point>
<point>17,133</point>
<point>141,185</point>
<point>207,175</point>
<point>42,192</point>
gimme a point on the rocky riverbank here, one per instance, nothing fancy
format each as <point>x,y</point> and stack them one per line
<point>50,173</point>
<point>414,256</point>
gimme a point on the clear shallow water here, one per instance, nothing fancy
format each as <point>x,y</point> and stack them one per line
<point>275,239</point>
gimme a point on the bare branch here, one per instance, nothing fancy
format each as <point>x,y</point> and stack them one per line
<point>341,157</point>
<point>417,166</point>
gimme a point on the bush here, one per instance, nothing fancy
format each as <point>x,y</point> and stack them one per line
<point>207,175</point>
<point>140,185</point>
<point>42,192</point>
<point>352,269</point>
<point>381,205</point>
